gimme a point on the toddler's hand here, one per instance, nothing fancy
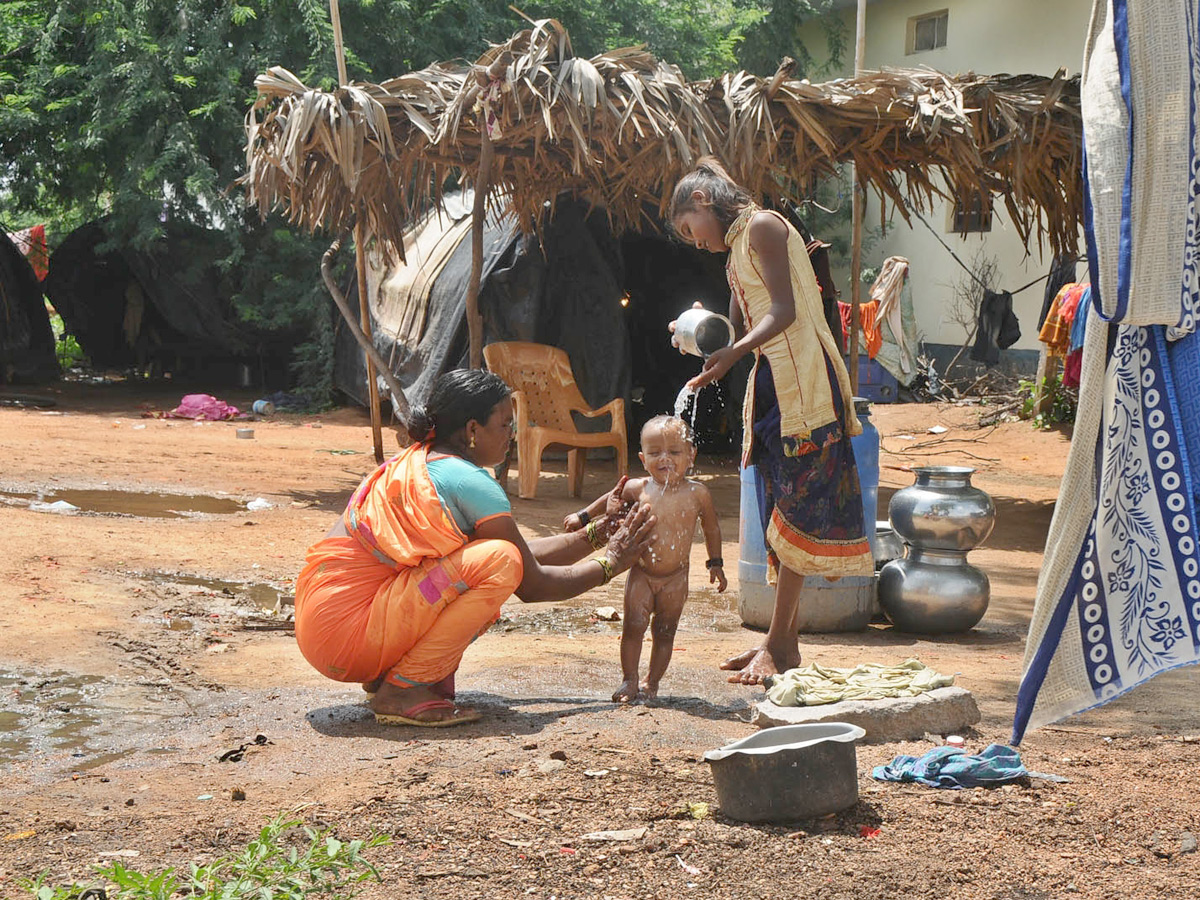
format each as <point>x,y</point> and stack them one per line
<point>717,574</point>
<point>613,506</point>
<point>572,523</point>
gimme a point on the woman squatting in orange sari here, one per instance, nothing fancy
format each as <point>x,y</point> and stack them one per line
<point>427,552</point>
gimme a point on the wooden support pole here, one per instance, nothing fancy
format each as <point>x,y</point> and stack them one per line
<point>364,316</point>
<point>857,200</point>
<point>364,310</point>
<point>483,184</point>
<point>478,212</point>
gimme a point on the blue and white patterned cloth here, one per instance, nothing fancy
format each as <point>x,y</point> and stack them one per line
<point>1119,594</point>
<point>953,767</point>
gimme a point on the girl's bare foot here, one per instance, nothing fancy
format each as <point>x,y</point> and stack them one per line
<point>628,692</point>
<point>739,662</point>
<point>763,662</point>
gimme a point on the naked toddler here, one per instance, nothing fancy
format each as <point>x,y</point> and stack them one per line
<point>657,584</point>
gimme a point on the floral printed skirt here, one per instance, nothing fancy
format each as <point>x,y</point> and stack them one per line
<point>809,494</point>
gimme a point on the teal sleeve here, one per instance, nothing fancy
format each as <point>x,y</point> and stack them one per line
<point>468,493</point>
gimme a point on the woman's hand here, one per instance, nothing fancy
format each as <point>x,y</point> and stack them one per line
<point>671,328</point>
<point>632,539</point>
<point>716,367</point>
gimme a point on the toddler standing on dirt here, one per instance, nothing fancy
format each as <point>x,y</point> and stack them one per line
<point>658,583</point>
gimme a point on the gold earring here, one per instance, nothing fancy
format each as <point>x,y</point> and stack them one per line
<point>472,443</point>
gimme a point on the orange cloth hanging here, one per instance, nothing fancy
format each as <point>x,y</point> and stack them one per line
<point>868,323</point>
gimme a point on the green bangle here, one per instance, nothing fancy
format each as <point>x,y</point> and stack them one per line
<point>593,536</point>
<point>607,566</point>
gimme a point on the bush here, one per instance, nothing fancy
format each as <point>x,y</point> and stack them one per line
<point>1059,402</point>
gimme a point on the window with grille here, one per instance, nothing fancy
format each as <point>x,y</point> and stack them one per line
<point>928,32</point>
<point>972,216</point>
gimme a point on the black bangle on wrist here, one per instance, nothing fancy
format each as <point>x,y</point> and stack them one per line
<point>715,563</point>
<point>584,518</point>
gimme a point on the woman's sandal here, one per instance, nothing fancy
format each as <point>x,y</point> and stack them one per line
<point>460,716</point>
<point>443,688</point>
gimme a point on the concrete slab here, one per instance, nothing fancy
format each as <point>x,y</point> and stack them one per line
<point>947,710</point>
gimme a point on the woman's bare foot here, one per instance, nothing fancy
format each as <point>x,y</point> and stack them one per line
<point>628,692</point>
<point>372,687</point>
<point>762,662</point>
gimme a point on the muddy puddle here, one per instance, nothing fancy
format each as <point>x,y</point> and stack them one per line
<point>123,503</point>
<point>260,596</point>
<point>704,611</point>
<point>70,717</point>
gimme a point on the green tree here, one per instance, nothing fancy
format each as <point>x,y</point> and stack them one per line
<point>133,110</point>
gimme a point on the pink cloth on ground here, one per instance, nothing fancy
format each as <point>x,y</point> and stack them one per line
<point>204,406</point>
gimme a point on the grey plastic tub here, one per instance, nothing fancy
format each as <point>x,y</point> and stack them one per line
<point>788,773</point>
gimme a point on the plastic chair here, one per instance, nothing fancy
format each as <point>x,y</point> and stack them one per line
<point>544,396</point>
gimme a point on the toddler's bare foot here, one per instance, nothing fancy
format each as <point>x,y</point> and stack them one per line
<point>763,662</point>
<point>628,692</point>
<point>649,691</point>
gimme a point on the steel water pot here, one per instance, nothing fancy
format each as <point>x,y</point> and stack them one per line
<point>933,592</point>
<point>942,510</point>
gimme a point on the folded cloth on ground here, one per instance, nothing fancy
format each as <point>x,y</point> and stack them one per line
<point>815,684</point>
<point>204,406</point>
<point>951,767</point>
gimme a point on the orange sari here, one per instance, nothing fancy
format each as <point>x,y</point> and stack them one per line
<point>406,592</point>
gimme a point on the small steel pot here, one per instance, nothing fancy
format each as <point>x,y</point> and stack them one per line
<point>702,332</point>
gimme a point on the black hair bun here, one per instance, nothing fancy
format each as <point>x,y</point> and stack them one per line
<point>420,424</point>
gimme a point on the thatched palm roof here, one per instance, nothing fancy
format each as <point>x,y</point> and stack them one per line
<point>620,128</point>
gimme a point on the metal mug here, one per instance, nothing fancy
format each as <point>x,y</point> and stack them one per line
<point>702,332</point>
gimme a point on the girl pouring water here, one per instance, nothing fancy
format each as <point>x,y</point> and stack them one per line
<point>798,418</point>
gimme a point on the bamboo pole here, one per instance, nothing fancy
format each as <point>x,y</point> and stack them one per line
<point>364,311</point>
<point>483,184</point>
<point>856,203</point>
<point>478,211</point>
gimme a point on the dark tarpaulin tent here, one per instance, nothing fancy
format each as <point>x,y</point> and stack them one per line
<point>605,300</point>
<point>26,341</point>
<point>130,309</point>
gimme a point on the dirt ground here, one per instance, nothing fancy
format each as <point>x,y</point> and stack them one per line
<point>137,651</point>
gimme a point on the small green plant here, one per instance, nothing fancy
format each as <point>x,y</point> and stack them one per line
<point>1058,405</point>
<point>66,348</point>
<point>271,866</point>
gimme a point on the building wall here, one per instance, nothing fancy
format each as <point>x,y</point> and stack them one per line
<point>987,37</point>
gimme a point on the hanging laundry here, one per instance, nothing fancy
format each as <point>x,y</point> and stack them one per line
<point>1062,273</point>
<point>32,243</point>
<point>1056,330</point>
<point>1073,366</point>
<point>888,290</point>
<point>997,328</point>
<point>868,326</point>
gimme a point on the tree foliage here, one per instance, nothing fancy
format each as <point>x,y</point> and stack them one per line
<point>133,109</point>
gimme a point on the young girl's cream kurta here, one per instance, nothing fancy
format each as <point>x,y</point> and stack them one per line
<point>801,384</point>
